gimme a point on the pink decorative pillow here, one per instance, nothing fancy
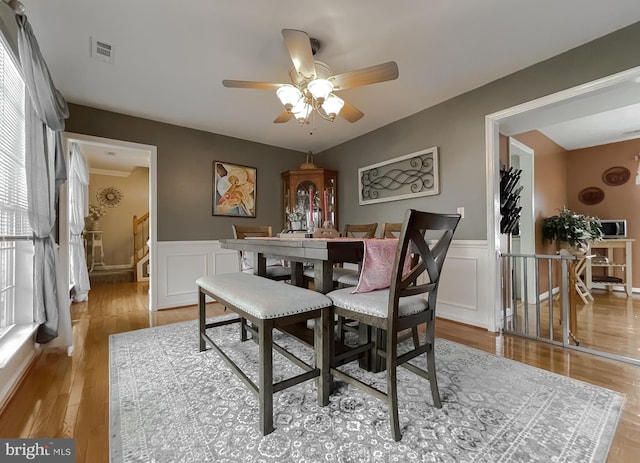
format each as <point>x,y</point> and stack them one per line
<point>377,264</point>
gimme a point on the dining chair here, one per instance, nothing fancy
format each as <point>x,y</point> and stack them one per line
<point>391,229</point>
<point>275,270</point>
<point>348,276</point>
<point>406,304</point>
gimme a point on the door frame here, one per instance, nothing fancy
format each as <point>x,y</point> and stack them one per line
<point>68,137</point>
<point>531,113</point>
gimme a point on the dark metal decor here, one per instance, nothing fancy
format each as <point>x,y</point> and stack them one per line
<point>616,176</point>
<point>590,196</point>
<point>407,176</point>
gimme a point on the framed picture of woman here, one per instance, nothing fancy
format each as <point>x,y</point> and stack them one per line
<point>234,190</point>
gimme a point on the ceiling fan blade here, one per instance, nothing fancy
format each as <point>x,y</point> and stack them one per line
<point>284,116</point>
<point>299,47</point>
<point>350,113</point>
<point>365,76</point>
<point>251,84</point>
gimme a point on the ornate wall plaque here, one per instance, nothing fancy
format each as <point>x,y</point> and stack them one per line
<point>407,176</point>
<point>615,176</point>
<point>109,196</point>
<point>590,196</point>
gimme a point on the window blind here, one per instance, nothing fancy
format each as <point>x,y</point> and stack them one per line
<point>14,220</point>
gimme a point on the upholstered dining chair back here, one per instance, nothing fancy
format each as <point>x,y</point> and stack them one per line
<point>366,230</point>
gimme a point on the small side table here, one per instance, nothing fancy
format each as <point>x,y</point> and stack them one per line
<point>94,243</point>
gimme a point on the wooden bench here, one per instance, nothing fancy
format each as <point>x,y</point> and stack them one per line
<point>269,304</point>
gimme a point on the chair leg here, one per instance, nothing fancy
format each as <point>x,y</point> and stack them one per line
<point>202,309</point>
<point>265,379</point>
<point>340,326</point>
<point>323,341</point>
<point>433,380</point>
<point>416,338</point>
<point>431,365</point>
<point>392,387</point>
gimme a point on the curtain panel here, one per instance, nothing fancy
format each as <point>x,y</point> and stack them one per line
<point>45,113</point>
<point>78,210</point>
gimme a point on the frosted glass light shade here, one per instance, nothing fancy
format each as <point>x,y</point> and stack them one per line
<point>301,111</point>
<point>332,106</point>
<point>289,96</point>
<point>320,89</point>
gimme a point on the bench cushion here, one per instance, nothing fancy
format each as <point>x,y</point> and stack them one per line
<point>261,297</point>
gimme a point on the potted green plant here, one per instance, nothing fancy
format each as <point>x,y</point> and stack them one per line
<point>571,230</point>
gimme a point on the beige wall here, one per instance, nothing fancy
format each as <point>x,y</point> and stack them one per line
<point>117,238</point>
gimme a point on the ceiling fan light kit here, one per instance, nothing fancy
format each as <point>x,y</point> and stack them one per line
<point>313,83</point>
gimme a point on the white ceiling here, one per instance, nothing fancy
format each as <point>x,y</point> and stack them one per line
<point>171,56</point>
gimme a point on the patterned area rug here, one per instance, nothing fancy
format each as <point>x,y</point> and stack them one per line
<point>171,403</point>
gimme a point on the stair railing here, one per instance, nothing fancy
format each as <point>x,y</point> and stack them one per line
<point>140,246</point>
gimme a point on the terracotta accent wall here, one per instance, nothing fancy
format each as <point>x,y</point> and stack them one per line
<point>550,181</point>
<point>550,189</point>
<point>585,169</point>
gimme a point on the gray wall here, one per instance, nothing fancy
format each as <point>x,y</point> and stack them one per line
<point>457,127</point>
<point>185,171</point>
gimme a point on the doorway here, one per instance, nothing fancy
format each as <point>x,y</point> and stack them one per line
<point>605,94</point>
<point>126,155</point>
<point>524,242</point>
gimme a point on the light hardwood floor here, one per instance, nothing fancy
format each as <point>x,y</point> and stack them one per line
<point>65,396</point>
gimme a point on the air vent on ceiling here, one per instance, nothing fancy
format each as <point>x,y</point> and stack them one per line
<point>102,51</point>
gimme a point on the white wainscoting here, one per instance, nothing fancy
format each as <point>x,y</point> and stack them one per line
<point>463,294</point>
<point>181,263</point>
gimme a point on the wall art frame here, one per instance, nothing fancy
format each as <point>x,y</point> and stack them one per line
<point>408,176</point>
<point>234,190</point>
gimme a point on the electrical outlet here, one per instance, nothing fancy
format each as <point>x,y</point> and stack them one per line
<point>461,212</point>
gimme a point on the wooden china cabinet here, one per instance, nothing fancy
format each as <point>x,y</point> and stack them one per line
<point>314,192</point>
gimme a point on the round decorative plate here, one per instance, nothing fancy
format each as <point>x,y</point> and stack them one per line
<point>109,196</point>
<point>591,195</point>
<point>615,176</point>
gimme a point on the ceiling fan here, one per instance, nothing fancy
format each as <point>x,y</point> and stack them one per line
<point>313,83</point>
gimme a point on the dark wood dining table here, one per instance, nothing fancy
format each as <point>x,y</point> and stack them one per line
<point>322,253</point>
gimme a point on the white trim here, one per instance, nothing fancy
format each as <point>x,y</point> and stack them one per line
<point>112,173</point>
<point>13,339</point>
<point>492,133</point>
<point>153,198</point>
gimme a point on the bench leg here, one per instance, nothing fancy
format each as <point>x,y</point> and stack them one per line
<point>323,342</point>
<point>202,309</point>
<point>265,380</point>
<point>243,329</point>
